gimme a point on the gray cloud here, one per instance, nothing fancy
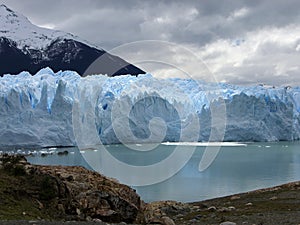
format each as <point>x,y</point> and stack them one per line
<point>229,35</point>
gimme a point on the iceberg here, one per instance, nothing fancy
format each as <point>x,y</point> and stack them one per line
<point>64,109</point>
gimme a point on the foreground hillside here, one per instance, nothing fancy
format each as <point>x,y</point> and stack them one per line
<point>62,193</point>
<point>31,194</point>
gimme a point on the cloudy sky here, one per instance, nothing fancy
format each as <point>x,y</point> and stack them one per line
<point>240,42</point>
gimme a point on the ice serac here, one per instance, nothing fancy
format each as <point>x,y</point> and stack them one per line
<point>64,109</point>
<point>35,112</point>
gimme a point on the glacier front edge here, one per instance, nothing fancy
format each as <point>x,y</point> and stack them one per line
<point>40,110</point>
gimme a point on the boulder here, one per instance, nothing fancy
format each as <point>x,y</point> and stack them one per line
<point>75,192</point>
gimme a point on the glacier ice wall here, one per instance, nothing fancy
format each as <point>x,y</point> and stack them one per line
<point>62,109</point>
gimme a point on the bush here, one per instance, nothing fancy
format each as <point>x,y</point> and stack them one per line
<point>48,189</point>
<point>19,170</point>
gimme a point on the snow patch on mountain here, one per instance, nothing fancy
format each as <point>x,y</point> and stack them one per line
<point>18,28</point>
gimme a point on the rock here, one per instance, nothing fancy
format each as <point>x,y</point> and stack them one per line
<point>235,197</point>
<point>78,212</point>
<point>41,206</point>
<point>195,207</point>
<point>212,208</point>
<point>88,218</point>
<point>161,212</point>
<point>273,198</point>
<point>23,161</point>
<point>167,221</point>
<point>231,208</point>
<point>96,195</point>
<point>76,193</point>
<point>228,223</point>
<point>179,215</point>
<point>200,206</point>
<point>61,208</point>
<point>249,204</point>
<point>106,213</point>
<point>198,217</point>
<point>225,209</point>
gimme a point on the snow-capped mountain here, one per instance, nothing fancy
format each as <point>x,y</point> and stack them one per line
<point>27,47</point>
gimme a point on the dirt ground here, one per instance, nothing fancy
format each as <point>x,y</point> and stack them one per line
<point>277,205</point>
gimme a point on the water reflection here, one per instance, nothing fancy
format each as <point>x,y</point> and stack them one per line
<point>236,169</point>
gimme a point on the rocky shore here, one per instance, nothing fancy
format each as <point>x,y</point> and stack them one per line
<point>33,194</point>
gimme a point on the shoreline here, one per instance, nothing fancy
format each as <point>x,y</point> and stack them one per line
<point>268,206</point>
<point>23,199</point>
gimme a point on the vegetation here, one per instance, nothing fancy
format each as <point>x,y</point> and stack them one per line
<point>22,195</point>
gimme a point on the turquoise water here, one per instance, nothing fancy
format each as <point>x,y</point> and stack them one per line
<point>235,169</point>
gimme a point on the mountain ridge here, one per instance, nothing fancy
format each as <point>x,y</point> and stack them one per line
<point>27,47</point>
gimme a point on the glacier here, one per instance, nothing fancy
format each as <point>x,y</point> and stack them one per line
<point>64,109</point>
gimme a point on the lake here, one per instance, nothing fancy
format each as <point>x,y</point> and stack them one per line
<point>235,169</point>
